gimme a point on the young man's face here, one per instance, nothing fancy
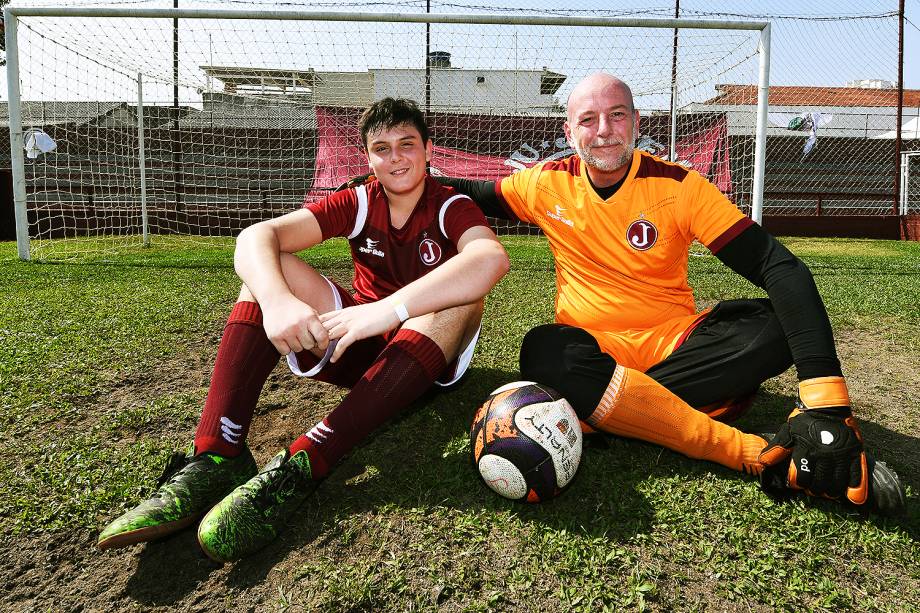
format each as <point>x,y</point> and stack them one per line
<point>398,157</point>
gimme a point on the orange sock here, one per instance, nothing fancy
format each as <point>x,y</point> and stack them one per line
<point>637,406</point>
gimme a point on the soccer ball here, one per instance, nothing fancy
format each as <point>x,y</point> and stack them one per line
<point>526,441</point>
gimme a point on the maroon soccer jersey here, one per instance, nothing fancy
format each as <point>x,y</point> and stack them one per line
<point>387,258</point>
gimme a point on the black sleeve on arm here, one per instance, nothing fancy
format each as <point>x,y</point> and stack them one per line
<point>764,261</point>
<point>483,194</point>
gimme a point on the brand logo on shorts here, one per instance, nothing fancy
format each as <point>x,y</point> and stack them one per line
<point>429,252</point>
<point>371,248</point>
<point>641,235</point>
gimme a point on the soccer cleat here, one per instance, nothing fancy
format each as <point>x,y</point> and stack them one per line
<point>253,514</point>
<point>886,494</point>
<point>189,486</point>
<point>885,490</point>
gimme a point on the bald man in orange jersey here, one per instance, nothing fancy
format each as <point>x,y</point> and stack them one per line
<point>630,350</point>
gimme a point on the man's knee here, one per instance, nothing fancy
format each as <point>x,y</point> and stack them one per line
<point>569,360</point>
<point>737,347</point>
<point>770,349</point>
<point>451,329</point>
<point>541,354</point>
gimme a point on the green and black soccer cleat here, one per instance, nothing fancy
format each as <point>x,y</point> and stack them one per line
<point>253,515</point>
<point>188,487</point>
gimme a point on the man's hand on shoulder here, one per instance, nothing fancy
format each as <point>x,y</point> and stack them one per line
<point>355,182</point>
<point>292,325</point>
<point>819,449</point>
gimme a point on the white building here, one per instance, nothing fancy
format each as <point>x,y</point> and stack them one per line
<point>450,89</point>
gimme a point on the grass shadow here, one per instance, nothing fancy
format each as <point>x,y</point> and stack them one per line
<point>896,449</point>
<point>421,460</point>
<point>418,463</point>
<point>168,570</point>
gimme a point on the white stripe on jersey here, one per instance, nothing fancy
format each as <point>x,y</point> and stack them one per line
<point>443,211</point>
<point>361,217</point>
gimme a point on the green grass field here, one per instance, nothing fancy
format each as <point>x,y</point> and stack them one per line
<point>104,366</point>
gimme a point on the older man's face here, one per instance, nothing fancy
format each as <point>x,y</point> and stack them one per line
<point>601,127</point>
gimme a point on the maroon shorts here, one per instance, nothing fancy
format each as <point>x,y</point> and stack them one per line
<point>352,365</point>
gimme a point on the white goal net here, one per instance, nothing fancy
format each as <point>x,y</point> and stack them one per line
<point>128,143</point>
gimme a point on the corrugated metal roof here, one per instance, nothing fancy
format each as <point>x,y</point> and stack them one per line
<point>37,113</point>
<point>795,95</point>
<point>122,114</point>
<point>256,117</point>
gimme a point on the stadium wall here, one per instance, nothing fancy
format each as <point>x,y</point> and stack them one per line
<point>827,194</point>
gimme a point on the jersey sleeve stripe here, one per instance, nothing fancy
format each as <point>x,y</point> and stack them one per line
<point>651,167</point>
<point>443,212</point>
<point>726,237</point>
<point>361,217</point>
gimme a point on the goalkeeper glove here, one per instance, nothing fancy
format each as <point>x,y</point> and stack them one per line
<point>819,449</point>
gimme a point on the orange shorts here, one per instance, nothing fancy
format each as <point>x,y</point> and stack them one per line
<point>642,349</point>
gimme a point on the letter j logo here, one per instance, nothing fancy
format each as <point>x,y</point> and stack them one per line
<point>429,252</point>
<point>641,235</point>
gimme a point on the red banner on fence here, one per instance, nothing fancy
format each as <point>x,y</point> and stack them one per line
<point>491,147</point>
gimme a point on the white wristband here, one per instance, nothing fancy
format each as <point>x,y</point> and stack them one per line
<point>401,311</point>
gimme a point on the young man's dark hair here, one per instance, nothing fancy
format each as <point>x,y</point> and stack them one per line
<point>389,113</point>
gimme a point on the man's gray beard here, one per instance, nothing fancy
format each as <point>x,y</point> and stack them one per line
<point>591,160</point>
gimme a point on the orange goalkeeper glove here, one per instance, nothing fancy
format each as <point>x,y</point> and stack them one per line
<point>819,449</point>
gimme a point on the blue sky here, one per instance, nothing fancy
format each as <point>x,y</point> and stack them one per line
<point>821,43</point>
<point>818,42</point>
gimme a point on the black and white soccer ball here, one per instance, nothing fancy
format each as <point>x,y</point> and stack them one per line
<point>526,441</point>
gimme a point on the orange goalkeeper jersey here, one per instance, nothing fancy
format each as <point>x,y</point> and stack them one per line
<point>621,263</point>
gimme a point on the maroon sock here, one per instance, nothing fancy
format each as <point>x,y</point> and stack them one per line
<point>244,360</point>
<point>405,368</point>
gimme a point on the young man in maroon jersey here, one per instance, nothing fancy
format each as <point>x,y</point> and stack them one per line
<point>424,259</point>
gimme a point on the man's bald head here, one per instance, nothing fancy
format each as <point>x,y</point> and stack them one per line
<point>598,84</point>
<point>601,126</point>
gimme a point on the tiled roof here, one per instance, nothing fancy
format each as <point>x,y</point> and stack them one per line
<point>794,95</point>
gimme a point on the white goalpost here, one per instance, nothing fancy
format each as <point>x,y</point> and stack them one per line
<point>909,203</point>
<point>161,127</point>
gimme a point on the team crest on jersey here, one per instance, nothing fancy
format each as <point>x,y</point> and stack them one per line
<point>641,235</point>
<point>371,248</point>
<point>429,252</point>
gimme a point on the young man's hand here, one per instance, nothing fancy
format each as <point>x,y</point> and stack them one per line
<point>355,323</point>
<point>293,326</point>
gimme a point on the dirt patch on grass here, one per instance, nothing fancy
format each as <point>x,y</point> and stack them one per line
<point>63,571</point>
<point>884,389</point>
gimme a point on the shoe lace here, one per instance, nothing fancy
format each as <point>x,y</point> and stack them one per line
<point>279,482</point>
<point>176,462</point>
